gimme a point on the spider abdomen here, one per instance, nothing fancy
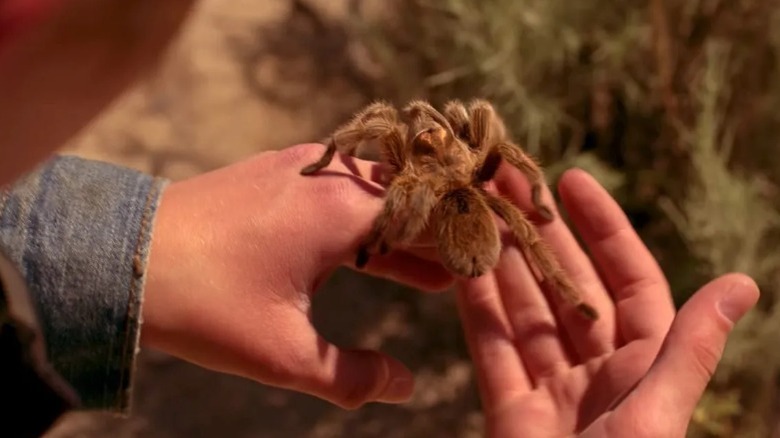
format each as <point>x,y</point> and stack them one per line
<point>467,238</point>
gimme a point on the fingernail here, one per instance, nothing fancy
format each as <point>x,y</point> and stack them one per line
<point>398,390</point>
<point>732,304</point>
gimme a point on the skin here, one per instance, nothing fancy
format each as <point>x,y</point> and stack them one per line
<point>542,372</point>
<point>238,298</point>
<point>237,254</point>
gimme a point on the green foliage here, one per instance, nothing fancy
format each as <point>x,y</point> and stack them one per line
<point>727,225</point>
<point>521,54</point>
<point>725,220</point>
<point>610,178</point>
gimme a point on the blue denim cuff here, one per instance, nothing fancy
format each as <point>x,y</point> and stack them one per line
<point>79,232</point>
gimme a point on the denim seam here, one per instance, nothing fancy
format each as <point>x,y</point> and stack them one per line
<point>135,295</point>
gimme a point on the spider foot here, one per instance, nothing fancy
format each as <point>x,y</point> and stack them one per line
<point>545,212</point>
<point>313,168</point>
<point>588,311</point>
<point>362,257</point>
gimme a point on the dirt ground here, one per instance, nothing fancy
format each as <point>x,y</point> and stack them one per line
<point>248,76</point>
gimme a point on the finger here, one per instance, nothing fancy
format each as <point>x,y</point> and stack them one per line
<point>425,240</point>
<point>533,323</point>
<point>348,378</point>
<point>690,354</point>
<point>424,252</point>
<point>641,293</point>
<point>589,339</point>
<point>406,268</point>
<point>500,371</point>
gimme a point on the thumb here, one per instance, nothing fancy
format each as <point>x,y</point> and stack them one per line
<point>348,378</point>
<point>693,347</point>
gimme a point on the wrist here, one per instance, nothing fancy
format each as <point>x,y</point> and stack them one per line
<point>159,264</point>
<point>174,270</point>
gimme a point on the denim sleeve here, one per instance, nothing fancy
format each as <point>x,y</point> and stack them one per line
<point>79,232</point>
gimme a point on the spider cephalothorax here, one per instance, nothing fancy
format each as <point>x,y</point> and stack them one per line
<point>438,164</point>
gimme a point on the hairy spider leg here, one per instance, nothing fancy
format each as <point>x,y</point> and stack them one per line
<point>487,130</point>
<point>517,158</point>
<point>487,166</point>
<point>455,112</point>
<point>408,205</point>
<point>373,123</point>
<point>528,239</point>
<point>419,112</point>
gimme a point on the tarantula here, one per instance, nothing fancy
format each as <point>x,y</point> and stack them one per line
<point>438,164</point>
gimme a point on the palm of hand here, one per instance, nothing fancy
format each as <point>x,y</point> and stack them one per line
<point>543,370</point>
<point>572,400</point>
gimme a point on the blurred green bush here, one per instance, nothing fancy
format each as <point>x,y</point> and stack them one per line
<point>674,105</point>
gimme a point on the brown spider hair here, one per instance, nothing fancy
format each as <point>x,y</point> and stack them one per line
<point>438,164</point>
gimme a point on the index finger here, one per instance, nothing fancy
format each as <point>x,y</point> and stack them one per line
<point>640,290</point>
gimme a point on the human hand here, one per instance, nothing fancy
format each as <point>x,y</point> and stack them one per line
<point>545,372</point>
<point>236,255</point>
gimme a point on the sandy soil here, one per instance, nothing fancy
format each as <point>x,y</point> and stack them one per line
<point>248,76</point>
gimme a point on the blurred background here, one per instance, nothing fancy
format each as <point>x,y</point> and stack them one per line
<point>674,105</point>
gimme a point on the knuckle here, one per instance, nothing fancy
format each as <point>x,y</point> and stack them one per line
<point>705,357</point>
<point>530,320</point>
<point>294,366</point>
<point>364,386</point>
<point>289,369</point>
<point>353,398</point>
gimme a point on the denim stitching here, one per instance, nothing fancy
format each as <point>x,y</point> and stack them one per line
<point>133,322</point>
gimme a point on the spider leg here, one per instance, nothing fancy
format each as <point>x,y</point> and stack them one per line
<point>327,157</point>
<point>522,161</point>
<point>528,238</point>
<point>393,149</point>
<point>488,165</point>
<point>419,112</point>
<point>455,112</point>
<point>487,129</point>
<point>408,205</point>
<point>378,121</point>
